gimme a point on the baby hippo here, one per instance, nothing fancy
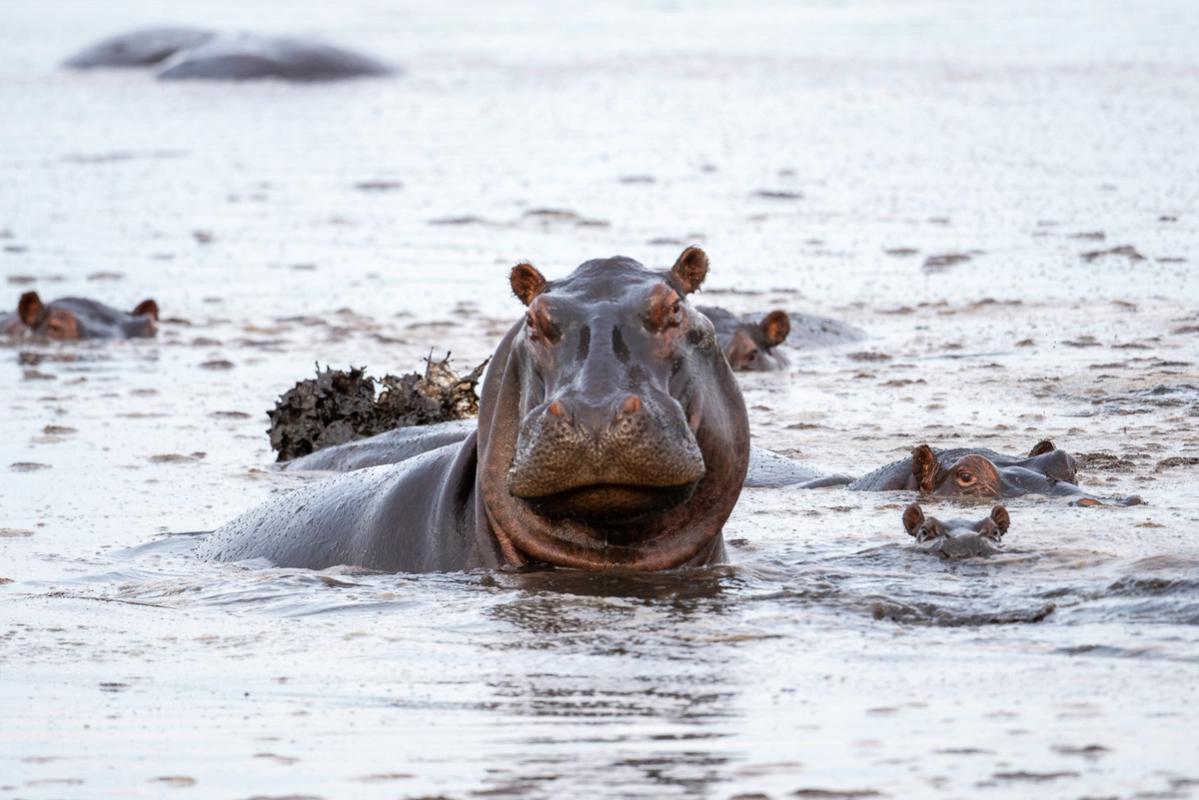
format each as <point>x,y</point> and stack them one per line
<point>957,538</point>
<point>750,346</point>
<point>75,318</point>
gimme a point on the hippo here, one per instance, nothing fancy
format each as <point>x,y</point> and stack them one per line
<point>198,54</point>
<point>750,346</point>
<point>611,434</point>
<point>141,48</point>
<point>79,318</point>
<point>752,342</point>
<point>249,56</point>
<point>957,538</point>
<point>979,472</point>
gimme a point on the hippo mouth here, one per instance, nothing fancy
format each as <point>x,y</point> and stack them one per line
<point>610,504</point>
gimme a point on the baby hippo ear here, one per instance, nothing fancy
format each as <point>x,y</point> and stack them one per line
<point>775,327</point>
<point>29,308</point>
<point>526,282</point>
<point>1001,519</point>
<point>1042,447</point>
<point>690,269</point>
<point>146,308</point>
<point>924,467</point>
<point>912,517</point>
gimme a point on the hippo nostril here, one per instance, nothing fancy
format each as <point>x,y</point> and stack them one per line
<point>557,409</point>
<point>631,405</point>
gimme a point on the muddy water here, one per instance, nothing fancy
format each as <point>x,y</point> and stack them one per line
<point>935,174</point>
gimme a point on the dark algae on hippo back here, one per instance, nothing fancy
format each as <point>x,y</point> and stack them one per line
<point>957,538</point>
<point>78,318</point>
<point>612,434</point>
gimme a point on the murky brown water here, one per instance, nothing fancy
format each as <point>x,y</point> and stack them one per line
<point>830,158</point>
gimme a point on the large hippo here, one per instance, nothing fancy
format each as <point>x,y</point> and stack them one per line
<point>752,342</point>
<point>79,318</point>
<point>957,538</point>
<point>611,434</point>
<point>141,48</point>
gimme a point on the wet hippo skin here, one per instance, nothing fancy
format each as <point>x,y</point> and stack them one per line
<point>79,318</point>
<point>198,54</point>
<point>957,538</point>
<point>752,342</point>
<point>611,434</point>
<point>140,48</point>
<point>247,56</point>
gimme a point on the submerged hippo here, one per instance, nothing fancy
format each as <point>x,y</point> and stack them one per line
<point>751,343</point>
<point>78,318</point>
<point>193,53</point>
<point>141,48</point>
<point>957,538</point>
<point>977,472</point>
<point>611,434</point>
<point>248,56</point>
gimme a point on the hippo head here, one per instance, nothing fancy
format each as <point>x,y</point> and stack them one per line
<point>957,538</point>
<point>613,432</point>
<point>751,346</point>
<point>1047,470</point>
<point>72,318</point>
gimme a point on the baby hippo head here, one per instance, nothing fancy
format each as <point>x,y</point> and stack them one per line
<point>957,538</point>
<point>751,348</point>
<point>74,318</point>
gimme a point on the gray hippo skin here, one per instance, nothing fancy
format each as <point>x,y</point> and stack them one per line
<point>612,434</point>
<point>247,57</point>
<point>72,318</point>
<point>140,48</point>
<point>390,447</point>
<point>752,342</point>
<point>957,538</point>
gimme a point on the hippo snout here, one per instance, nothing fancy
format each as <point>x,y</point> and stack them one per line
<point>620,457</point>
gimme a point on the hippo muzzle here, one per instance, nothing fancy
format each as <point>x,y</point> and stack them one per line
<point>613,461</point>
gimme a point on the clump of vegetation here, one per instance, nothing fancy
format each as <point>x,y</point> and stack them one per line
<point>338,406</point>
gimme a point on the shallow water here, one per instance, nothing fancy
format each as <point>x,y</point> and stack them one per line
<point>807,148</point>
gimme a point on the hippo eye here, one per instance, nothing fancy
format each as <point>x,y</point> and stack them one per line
<point>677,307</point>
<point>966,478</point>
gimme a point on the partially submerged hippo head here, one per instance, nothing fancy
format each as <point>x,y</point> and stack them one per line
<point>751,346</point>
<point>618,436</point>
<point>957,538</point>
<point>986,474</point>
<point>76,318</point>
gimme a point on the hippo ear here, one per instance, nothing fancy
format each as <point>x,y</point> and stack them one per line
<point>924,467</point>
<point>1042,447</point>
<point>775,327</point>
<point>1001,519</point>
<point>912,517</point>
<point>146,308</point>
<point>526,282</point>
<point>690,269</point>
<point>29,308</point>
